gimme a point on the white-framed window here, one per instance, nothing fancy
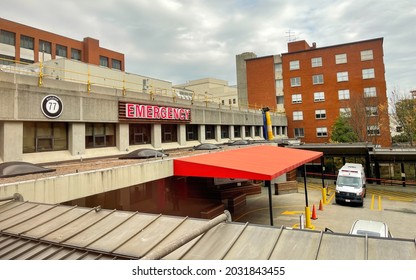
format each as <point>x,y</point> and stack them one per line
<point>368,73</point>
<point>342,76</point>
<point>296,98</point>
<point>370,92</point>
<point>278,67</point>
<point>294,65</point>
<point>316,61</point>
<point>297,115</point>
<point>320,114</point>
<point>299,132</point>
<point>318,79</point>
<point>279,83</point>
<point>321,132</point>
<point>373,130</point>
<point>343,94</point>
<point>371,111</point>
<point>319,96</point>
<point>295,82</point>
<point>345,112</point>
<point>366,55</point>
<point>341,58</point>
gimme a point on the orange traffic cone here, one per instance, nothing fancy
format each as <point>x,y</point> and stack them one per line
<point>321,207</point>
<point>314,213</point>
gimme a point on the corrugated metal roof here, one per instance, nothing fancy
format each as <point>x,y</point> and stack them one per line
<point>41,231</point>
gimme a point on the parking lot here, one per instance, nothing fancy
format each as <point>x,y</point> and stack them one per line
<point>394,205</point>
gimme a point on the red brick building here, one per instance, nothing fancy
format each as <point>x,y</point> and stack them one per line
<point>319,84</point>
<point>26,44</point>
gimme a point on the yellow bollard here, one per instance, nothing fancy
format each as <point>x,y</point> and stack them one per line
<point>324,195</point>
<point>308,217</point>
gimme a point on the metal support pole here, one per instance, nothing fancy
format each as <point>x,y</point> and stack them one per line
<point>403,174</point>
<point>305,185</point>
<point>269,187</point>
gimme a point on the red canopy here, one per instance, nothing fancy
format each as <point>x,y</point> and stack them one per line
<point>256,163</point>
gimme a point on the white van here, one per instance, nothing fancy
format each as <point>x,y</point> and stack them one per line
<point>350,184</point>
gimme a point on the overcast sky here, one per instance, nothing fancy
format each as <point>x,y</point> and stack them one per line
<point>185,40</point>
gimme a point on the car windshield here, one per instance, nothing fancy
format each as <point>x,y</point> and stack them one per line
<point>348,181</point>
<point>368,233</point>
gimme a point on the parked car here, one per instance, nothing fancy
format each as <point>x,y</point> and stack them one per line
<point>370,228</point>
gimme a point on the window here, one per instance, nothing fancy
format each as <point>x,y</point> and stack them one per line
<point>169,133</point>
<point>318,79</point>
<point>366,55</point>
<point>343,94</point>
<point>294,65</point>
<point>321,132</point>
<point>299,132</point>
<point>342,76</point>
<point>257,130</point>
<point>45,47</point>
<point>297,115</point>
<point>345,112</point>
<point>295,82</point>
<point>61,51</point>
<point>279,83</point>
<point>247,131</point>
<point>26,42</point>
<point>373,130</point>
<point>139,134</point>
<point>99,135</point>
<point>371,111</point>
<point>209,132</point>
<point>116,64</point>
<point>44,136</point>
<point>237,131</point>
<point>320,114</point>
<point>225,131</point>
<point>8,38</point>
<point>104,61</point>
<point>76,54</point>
<point>278,67</point>
<point>370,92</point>
<point>280,99</point>
<point>341,58</point>
<point>316,62</point>
<point>368,73</point>
<point>296,98</point>
<point>6,60</point>
<point>319,96</point>
<point>191,132</point>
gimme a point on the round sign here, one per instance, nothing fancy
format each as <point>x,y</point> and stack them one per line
<point>51,106</point>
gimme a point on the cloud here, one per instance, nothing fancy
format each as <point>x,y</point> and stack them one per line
<point>180,40</point>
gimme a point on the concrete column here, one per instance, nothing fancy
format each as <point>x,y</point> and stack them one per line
<point>243,132</point>
<point>182,134</point>
<point>122,134</point>
<point>11,141</point>
<point>201,133</point>
<point>76,138</point>
<point>157,136</point>
<point>218,133</point>
<point>231,132</point>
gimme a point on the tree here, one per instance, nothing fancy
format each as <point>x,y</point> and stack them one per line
<point>342,132</point>
<point>403,114</point>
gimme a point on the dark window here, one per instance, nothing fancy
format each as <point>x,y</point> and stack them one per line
<point>225,131</point>
<point>237,131</point>
<point>139,134</point>
<point>26,42</point>
<point>104,61</point>
<point>169,133</point>
<point>191,132</point>
<point>210,132</point>
<point>247,131</point>
<point>75,54</point>
<point>8,38</point>
<point>116,64</point>
<point>6,60</point>
<point>61,51</point>
<point>99,135</point>
<point>45,46</point>
<point>299,132</point>
<point>257,131</point>
<point>44,136</point>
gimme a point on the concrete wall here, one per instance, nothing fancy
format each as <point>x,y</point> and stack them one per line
<point>73,186</point>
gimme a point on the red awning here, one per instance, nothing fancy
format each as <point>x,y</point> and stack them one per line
<point>255,163</point>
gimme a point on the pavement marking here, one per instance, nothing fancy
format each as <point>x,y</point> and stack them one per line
<point>373,202</point>
<point>396,198</point>
<point>292,212</point>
